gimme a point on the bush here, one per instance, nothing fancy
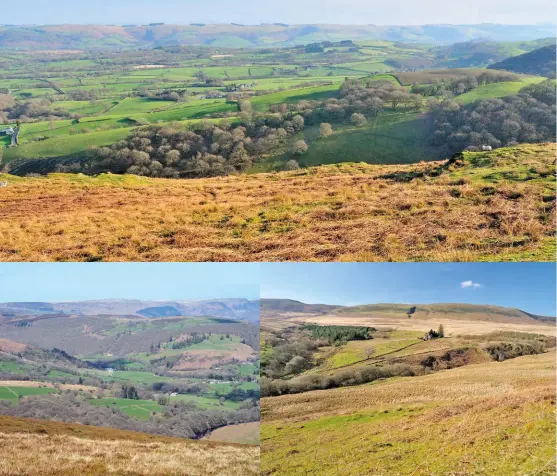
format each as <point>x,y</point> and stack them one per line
<point>344,378</point>
<point>358,119</point>
<point>300,147</point>
<point>291,165</point>
<point>325,129</point>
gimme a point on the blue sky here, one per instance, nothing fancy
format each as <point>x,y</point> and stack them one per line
<point>158,281</point>
<point>286,11</point>
<point>527,286</point>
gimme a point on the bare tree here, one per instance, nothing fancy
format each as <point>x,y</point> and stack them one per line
<point>370,352</point>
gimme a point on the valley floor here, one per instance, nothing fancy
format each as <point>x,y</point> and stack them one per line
<point>496,206</point>
<point>43,448</point>
<point>495,418</point>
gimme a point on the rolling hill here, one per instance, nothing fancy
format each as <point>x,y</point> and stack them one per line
<point>236,309</point>
<point>447,422</point>
<point>443,311</point>
<point>540,62</point>
<point>457,318</point>
<point>119,335</point>
<point>90,37</point>
<point>479,53</point>
<point>292,306</point>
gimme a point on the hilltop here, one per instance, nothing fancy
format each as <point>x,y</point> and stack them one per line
<point>477,206</point>
<point>457,318</point>
<point>30,446</point>
<point>292,306</point>
<point>445,311</point>
<point>90,37</point>
<point>540,62</point>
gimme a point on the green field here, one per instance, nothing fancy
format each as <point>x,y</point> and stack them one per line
<point>13,367</point>
<point>495,90</point>
<point>262,103</point>
<point>13,394</point>
<point>391,138</point>
<point>205,402</point>
<point>140,409</point>
<point>354,351</point>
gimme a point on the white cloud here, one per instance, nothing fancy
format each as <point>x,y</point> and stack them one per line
<point>469,284</point>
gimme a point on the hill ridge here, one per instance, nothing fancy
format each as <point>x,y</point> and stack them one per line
<point>90,37</point>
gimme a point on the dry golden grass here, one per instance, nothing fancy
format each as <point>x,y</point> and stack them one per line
<point>62,386</point>
<point>512,377</point>
<point>452,326</point>
<point>242,433</point>
<point>32,447</point>
<point>495,206</point>
<point>492,418</point>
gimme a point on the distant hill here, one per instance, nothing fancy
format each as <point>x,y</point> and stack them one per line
<point>445,311</point>
<point>477,53</point>
<point>289,305</point>
<point>540,62</point>
<point>237,309</point>
<point>50,37</point>
<point>488,313</point>
<point>116,335</point>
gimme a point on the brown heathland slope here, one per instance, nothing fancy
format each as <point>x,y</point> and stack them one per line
<point>452,326</point>
<point>36,447</point>
<point>490,418</point>
<point>242,433</point>
<point>496,206</point>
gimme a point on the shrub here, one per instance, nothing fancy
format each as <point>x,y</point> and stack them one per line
<point>300,147</point>
<point>358,119</point>
<point>325,129</point>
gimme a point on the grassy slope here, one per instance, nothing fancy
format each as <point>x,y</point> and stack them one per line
<point>496,206</point>
<point>12,394</point>
<point>247,433</point>
<point>391,138</point>
<point>292,96</point>
<point>495,90</point>
<point>30,447</point>
<point>492,418</point>
<point>140,409</point>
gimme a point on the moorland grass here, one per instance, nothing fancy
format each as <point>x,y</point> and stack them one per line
<point>30,447</point>
<point>494,206</point>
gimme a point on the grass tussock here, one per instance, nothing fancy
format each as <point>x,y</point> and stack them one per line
<point>497,206</point>
<point>33,447</point>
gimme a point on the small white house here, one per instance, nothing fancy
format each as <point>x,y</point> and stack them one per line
<point>486,147</point>
<point>110,370</point>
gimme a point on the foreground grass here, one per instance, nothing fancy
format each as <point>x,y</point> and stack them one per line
<point>35,447</point>
<point>497,206</point>
<point>493,418</point>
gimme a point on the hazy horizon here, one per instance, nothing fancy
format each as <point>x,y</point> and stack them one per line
<point>251,12</point>
<point>72,282</point>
